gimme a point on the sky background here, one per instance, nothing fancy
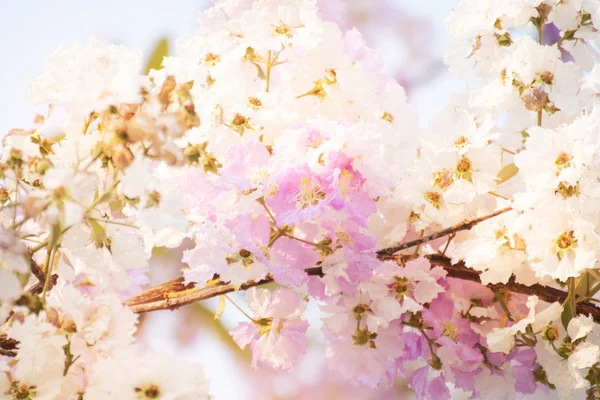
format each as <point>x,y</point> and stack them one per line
<point>31,30</point>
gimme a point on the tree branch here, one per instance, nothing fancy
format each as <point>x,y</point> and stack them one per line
<point>386,254</point>
<point>161,297</point>
<point>8,346</point>
<point>139,303</point>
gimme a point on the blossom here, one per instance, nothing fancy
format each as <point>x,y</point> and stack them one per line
<point>148,376</point>
<point>272,148</point>
<point>12,259</point>
<point>85,79</point>
<point>502,339</point>
<point>277,334</point>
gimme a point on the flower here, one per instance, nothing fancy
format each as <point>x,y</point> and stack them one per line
<point>277,333</point>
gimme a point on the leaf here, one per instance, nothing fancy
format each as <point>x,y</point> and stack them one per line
<point>98,233</point>
<point>161,50</point>
<point>567,314</point>
<point>506,173</point>
<point>221,307</point>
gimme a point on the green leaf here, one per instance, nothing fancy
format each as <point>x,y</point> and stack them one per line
<point>98,233</point>
<point>567,314</point>
<point>506,173</point>
<point>161,50</point>
<point>569,306</point>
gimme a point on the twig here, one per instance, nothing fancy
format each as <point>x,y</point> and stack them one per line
<point>8,346</point>
<point>456,271</point>
<point>36,270</point>
<point>8,353</point>
<point>137,304</point>
<point>156,297</point>
<point>388,253</point>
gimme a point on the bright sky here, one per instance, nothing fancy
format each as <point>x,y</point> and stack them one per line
<point>31,30</point>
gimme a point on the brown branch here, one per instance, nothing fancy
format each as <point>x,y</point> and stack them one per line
<point>8,346</point>
<point>545,293</point>
<point>462,226</point>
<point>39,287</point>
<point>8,353</point>
<point>141,304</point>
<point>36,270</point>
<point>138,305</point>
<point>156,298</point>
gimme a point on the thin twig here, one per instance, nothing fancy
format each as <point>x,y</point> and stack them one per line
<point>155,298</point>
<point>171,304</point>
<point>463,226</point>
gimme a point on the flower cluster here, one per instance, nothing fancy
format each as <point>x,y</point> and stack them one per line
<point>462,258</point>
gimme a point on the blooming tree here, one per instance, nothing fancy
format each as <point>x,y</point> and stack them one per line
<point>463,258</point>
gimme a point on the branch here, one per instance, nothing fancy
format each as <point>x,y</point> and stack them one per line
<point>157,298</point>
<point>8,346</point>
<point>545,293</point>
<point>36,270</point>
<point>457,271</point>
<point>138,305</point>
<point>386,254</point>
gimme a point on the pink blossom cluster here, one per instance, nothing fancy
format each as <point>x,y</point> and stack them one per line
<point>462,258</point>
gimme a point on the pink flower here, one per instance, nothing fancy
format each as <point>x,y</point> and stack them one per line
<point>289,259</point>
<point>277,333</point>
<point>298,194</point>
<point>247,165</point>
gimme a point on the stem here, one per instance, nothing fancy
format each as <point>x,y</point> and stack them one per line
<point>300,240</point>
<point>270,64</point>
<point>498,195</point>
<point>114,222</point>
<point>262,202</point>
<point>137,305</point>
<point>154,298</point>
<point>268,79</point>
<point>39,247</point>
<point>573,296</point>
<point>49,267</point>
<point>539,34</point>
<point>448,243</point>
<point>239,308</point>
<point>463,226</point>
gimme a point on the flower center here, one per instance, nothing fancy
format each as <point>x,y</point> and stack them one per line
<point>387,117</point>
<point>434,198</point>
<point>464,169</point>
<point>309,193</point>
<point>264,325</point>
<point>283,29</point>
<point>149,392</point>
<point>363,337</point>
<point>360,310</point>
<point>400,287</point>
<point>565,244</point>
<point>443,178</point>
<point>211,59</point>
<point>461,142</point>
<point>450,330</point>
<point>255,103</point>
<point>345,183</point>
<point>562,161</point>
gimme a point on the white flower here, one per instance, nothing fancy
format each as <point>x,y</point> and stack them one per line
<point>129,375</point>
<point>580,327</point>
<point>12,259</point>
<point>503,339</point>
<point>85,79</point>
